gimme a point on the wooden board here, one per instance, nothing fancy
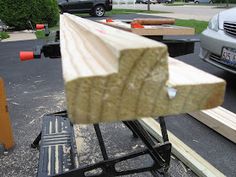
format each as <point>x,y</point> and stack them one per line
<point>184,153</point>
<point>151,30</point>
<point>104,69</point>
<point>113,75</point>
<point>154,21</point>
<point>220,120</point>
<point>6,134</point>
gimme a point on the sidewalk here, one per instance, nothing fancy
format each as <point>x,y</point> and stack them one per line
<point>204,13</point>
<point>181,16</point>
<point>20,36</point>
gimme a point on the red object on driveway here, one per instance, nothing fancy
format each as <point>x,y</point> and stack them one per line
<point>26,55</point>
<point>109,20</point>
<point>136,25</point>
<point>40,26</point>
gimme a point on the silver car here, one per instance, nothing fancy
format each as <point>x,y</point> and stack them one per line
<point>218,41</point>
<point>203,1</point>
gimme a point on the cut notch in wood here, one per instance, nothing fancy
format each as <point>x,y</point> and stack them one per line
<point>136,79</point>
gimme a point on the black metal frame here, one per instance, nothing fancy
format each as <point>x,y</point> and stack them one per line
<point>159,152</point>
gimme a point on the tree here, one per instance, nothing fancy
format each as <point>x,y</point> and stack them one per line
<point>18,13</point>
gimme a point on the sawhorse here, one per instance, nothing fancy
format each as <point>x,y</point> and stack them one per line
<point>59,158</point>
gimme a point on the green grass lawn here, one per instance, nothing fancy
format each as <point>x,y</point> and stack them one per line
<point>4,35</point>
<point>40,34</point>
<point>175,4</point>
<point>198,25</point>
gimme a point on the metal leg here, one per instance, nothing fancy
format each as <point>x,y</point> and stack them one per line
<point>101,142</point>
<point>155,173</point>
<point>145,137</point>
<point>165,139</point>
<point>35,144</point>
<point>131,128</point>
<point>163,129</point>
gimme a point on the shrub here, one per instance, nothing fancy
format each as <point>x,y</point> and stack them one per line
<point>3,35</point>
<point>18,13</point>
<point>46,11</point>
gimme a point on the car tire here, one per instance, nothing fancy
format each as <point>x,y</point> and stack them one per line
<point>61,11</point>
<point>196,2</point>
<point>98,11</point>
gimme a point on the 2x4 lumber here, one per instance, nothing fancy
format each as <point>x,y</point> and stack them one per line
<point>154,21</point>
<point>151,30</point>
<point>219,119</point>
<point>183,152</point>
<point>113,75</point>
<point>106,69</point>
<point>161,30</point>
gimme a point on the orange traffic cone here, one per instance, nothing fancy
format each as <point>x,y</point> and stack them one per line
<point>6,135</point>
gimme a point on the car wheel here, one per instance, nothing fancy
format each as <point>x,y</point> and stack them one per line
<point>99,11</point>
<point>61,11</point>
<point>196,2</point>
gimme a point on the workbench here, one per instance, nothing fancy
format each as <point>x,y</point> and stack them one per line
<point>58,154</point>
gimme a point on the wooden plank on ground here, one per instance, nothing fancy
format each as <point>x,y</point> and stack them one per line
<point>184,153</point>
<point>113,75</point>
<point>151,30</point>
<point>219,119</point>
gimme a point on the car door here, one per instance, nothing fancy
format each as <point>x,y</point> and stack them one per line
<point>79,5</point>
<point>86,5</point>
<point>73,5</point>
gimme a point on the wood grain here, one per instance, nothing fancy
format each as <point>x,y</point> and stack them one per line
<point>6,134</point>
<point>113,75</point>
<point>154,21</point>
<point>104,69</point>
<point>220,120</point>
